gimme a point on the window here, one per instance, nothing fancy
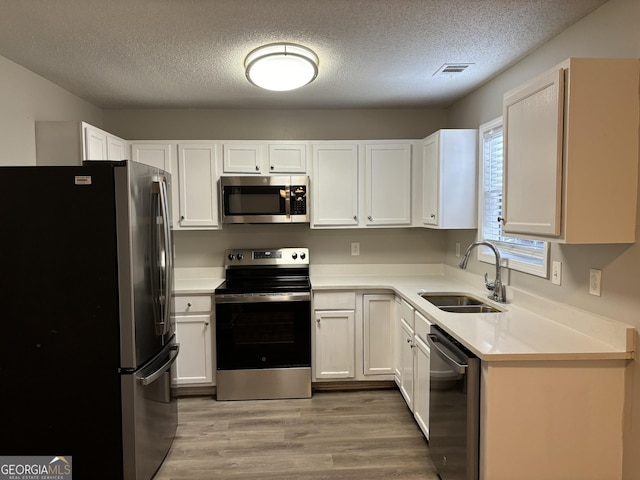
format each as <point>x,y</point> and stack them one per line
<point>529,256</point>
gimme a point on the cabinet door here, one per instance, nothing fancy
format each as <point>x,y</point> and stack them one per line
<point>430,177</point>
<point>194,364</point>
<point>421,385</point>
<point>388,184</point>
<point>288,158</point>
<point>198,187</point>
<point>335,344</point>
<point>116,148</point>
<point>533,141</point>
<point>243,158</point>
<point>153,154</point>
<point>95,142</point>
<point>335,185</point>
<point>406,352</point>
<point>378,334</point>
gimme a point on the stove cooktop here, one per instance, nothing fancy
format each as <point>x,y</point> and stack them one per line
<point>279,270</point>
<point>264,285</point>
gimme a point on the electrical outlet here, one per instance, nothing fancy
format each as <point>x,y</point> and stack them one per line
<point>556,273</point>
<point>595,280</point>
<point>457,249</point>
<point>355,248</point>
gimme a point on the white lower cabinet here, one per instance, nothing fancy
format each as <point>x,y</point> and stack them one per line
<point>335,355</point>
<point>193,318</point>
<point>378,334</point>
<point>403,354</point>
<point>421,365</point>
<point>406,366</point>
<point>412,361</point>
<point>353,336</point>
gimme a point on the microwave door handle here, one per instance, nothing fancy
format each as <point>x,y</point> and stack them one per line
<point>287,202</point>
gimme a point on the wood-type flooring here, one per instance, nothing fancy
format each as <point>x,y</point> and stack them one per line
<point>351,435</point>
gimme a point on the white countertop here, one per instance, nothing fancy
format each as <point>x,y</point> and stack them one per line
<point>529,328</point>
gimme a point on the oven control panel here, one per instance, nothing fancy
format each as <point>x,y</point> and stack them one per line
<point>274,256</point>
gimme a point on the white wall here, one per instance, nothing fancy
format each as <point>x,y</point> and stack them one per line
<point>380,245</point>
<point>265,124</point>
<point>26,98</point>
<point>611,31</point>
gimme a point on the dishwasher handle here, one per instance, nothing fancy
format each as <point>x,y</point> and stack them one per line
<point>446,355</point>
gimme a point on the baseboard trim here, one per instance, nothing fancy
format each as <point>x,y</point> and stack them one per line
<point>206,391</point>
<point>353,385</point>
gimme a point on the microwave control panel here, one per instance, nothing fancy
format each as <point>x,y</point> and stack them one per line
<point>298,199</point>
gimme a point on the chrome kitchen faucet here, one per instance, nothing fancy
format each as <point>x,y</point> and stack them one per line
<point>499,290</point>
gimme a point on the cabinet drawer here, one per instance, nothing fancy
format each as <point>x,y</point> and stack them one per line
<point>192,304</point>
<point>422,326</point>
<point>334,301</point>
<point>406,312</point>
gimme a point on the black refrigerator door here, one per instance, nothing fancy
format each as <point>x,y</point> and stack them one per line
<point>59,356</point>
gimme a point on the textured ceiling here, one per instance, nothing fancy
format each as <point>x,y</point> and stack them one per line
<point>190,53</point>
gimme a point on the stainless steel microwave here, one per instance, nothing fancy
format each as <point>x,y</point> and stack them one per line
<point>265,199</point>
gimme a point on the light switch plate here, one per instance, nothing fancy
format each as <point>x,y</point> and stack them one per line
<point>556,273</point>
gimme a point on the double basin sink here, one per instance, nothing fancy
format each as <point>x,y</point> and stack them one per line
<point>458,303</point>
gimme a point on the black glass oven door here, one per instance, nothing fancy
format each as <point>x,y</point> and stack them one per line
<point>268,334</point>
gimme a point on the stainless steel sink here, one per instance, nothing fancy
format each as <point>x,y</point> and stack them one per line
<point>458,303</point>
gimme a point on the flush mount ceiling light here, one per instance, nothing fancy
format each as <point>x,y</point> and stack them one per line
<point>281,66</point>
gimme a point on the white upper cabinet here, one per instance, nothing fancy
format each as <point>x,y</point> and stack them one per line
<point>449,179</point>
<point>287,158</point>
<point>361,184</point>
<point>154,154</point>
<point>198,185</point>
<point>101,145</point>
<point>161,155</point>
<point>334,185</point>
<point>571,153</point>
<point>533,174</point>
<point>243,158</point>
<point>260,158</point>
<point>70,143</point>
<point>388,184</point>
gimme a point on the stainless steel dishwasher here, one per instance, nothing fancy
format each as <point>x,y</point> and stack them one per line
<point>454,407</point>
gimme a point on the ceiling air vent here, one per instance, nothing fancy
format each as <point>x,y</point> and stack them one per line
<point>449,69</point>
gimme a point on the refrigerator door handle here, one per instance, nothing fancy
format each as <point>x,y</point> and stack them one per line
<point>168,254</point>
<point>164,260</point>
<point>149,379</point>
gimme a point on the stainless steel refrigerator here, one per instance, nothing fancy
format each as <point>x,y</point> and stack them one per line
<point>87,338</point>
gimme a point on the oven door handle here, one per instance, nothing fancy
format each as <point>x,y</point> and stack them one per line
<point>263,297</point>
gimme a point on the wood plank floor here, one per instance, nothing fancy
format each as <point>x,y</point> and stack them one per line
<point>368,435</point>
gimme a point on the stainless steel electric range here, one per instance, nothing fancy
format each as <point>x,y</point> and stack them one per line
<point>263,325</point>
